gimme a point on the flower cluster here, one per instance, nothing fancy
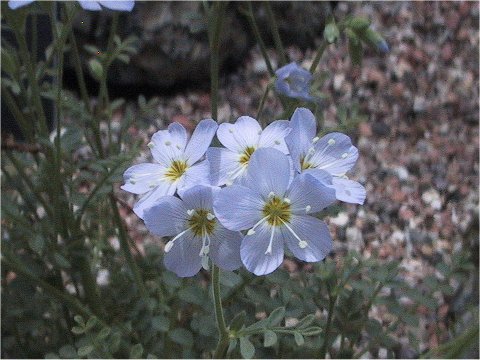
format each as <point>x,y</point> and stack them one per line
<point>242,204</point>
<point>118,5</point>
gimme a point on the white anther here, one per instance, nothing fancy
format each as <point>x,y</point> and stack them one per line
<point>271,194</point>
<point>250,232</point>
<point>168,143</point>
<point>331,141</point>
<point>277,142</point>
<point>151,145</point>
<point>344,155</point>
<point>190,212</point>
<point>228,183</point>
<point>152,185</point>
<point>311,150</point>
<point>302,244</point>
<point>287,200</point>
<point>308,208</point>
<point>168,246</point>
<point>315,139</point>
<point>210,216</point>
<point>205,263</point>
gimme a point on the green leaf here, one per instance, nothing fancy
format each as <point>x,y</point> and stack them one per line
<point>232,345</point>
<point>246,348</point>
<point>358,24</point>
<point>68,352</point>
<point>77,330</point>
<point>269,338</point>
<point>331,32</point>
<point>160,323</point>
<point>37,243</point>
<point>61,261</point>
<point>238,321</point>
<point>299,338</point>
<point>96,68</point>
<point>85,350</point>
<point>311,331</point>
<point>103,333</point>
<point>91,323</point>
<point>181,336</point>
<point>192,295</point>
<point>136,351</point>
<point>356,51</point>
<point>306,321</point>
<point>276,316</point>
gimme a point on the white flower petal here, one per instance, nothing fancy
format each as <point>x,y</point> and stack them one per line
<point>237,137</point>
<point>253,250</point>
<point>200,141</point>
<point>237,207</point>
<point>315,235</point>
<point>168,217</point>
<point>225,248</point>
<point>268,171</point>
<point>306,191</point>
<point>349,191</point>
<point>142,178</point>
<point>183,258</point>
<point>149,199</point>
<point>304,129</point>
<point>274,135</point>
<point>169,145</point>
<point>223,165</point>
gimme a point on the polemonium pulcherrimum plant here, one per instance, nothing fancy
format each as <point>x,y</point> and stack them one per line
<point>119,5</point>
<point>276,211</point>
<point>177,164</point>
<point>294,81</point>
<point>229,165</point>
<point>197,234</point>
<point>333,153</point>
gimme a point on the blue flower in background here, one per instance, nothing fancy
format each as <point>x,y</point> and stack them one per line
<point>197,235</point>
<point>382,46</point>
<point>333,153</point>
<point>119,5</point>
<point>177,164</point>
<point>276,212</point>
<point>294,81</point>
<point>241,139</point>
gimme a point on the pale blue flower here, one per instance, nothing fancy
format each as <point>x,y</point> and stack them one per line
<point>382,46</point>
<point>294,81</point>
<point>276,212</point>
<point>176,164</point>
<point>333,153</point>
<point>241,139</point>
<point>196,233</point>
<point>119,5</point>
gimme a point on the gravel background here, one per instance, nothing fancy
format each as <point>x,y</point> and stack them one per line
<point>419,144</point>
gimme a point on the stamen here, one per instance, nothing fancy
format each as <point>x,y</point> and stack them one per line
<point>151,145</point>
<point>252,230</point>
<point>308,208</point>
<point>205,263</point>
<point>190,212</point>
<point>315,139</point>
<point>344,155</point>
<point>269,248</point>
<point>228,183</point>
<point>311,151</point>
<point>210,216</point>
<point>287,200</point>
<point>169,245</point>
<point>331,142</point>
<point>301,243</point>
<point>271,194</point>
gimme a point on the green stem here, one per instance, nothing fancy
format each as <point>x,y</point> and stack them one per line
<point>75,305</point>
<point>222,328</point>
<point>326,340</point>
<point>216,17</point>
<point>276,35</point>
<point>318,55</point>
<point>262,101</point>
<point>256,32</point>
<point>25,126</point>
<point>124,244</point>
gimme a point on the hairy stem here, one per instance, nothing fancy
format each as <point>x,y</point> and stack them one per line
<point>276,35</point>
<point>222,328</point>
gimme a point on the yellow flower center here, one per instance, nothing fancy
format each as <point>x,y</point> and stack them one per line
<point>277,210</point>
<point>247,153</point>
<point>201,223</point>
<point>176,170</point>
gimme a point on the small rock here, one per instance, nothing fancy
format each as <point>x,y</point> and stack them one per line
<point>419,104</point>
<point>338,81</point>
<point>355,239</point>
<point>401,172</point>
<point>340,220</point>
<point>432,197</point>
